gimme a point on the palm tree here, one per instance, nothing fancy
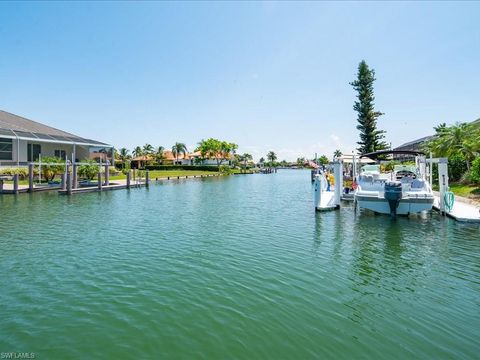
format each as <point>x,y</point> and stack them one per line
<point>461,138</point>
<point>337,154</point>
<point>301,161</point>
<point>271,156</point>
<point>179,148</point>
<point>245,157</point>
<point>123,156</point>
<point>137,151</point>
<point>159,154</point>
<point>147,149</point>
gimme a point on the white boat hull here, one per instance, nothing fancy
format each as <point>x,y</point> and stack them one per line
<point>406,205</point>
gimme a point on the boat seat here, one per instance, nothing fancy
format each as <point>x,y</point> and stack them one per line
<point>368,178</point>
<point>417,184</point>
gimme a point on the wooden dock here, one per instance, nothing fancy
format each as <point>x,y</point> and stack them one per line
<point>9,188</point>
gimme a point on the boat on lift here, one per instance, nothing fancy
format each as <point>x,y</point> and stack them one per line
<point>402,191</point>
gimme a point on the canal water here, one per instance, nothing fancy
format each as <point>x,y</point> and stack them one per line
<point>236,267</point>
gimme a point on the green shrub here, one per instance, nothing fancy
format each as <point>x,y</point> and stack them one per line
<point>225,169</point>
<point>183,167</point>
<point>22,172</point>
<point>89,169</point>
<point>475,171</point>
<point>457,166</point>
<point>51,166</point>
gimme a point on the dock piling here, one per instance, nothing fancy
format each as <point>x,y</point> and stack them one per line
<point>442,182</point>
<point>147,178</point>
<point>30,178</point>
<point>99,180</point>
<point>107,175</point>
<point>15,184</point>
<point>63,181</point>
<point>128,179</point>
<point>69,180</point>
<point>75,176</point>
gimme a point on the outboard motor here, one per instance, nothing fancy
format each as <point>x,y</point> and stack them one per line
<point>393,193</point>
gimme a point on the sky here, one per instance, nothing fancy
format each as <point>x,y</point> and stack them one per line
<point>265,75</point>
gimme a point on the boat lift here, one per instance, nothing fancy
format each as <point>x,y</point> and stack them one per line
<point>328,200</point>
<point>445,202</point>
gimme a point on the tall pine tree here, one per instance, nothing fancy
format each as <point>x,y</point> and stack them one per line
<point>371,139</point>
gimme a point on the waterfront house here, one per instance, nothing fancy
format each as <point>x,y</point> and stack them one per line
<point>197,159</point>
<point>23,140</point>
<point>169,158</point>
<point>139,162</point>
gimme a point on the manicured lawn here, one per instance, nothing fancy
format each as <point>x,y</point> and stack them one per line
<point>172,173</point>
<point>468,191</point>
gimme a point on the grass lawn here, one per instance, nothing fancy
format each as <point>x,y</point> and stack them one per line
<point>172,173</point>
<point>468,191</point>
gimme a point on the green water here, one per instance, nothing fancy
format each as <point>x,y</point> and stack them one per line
<point>237,267</point>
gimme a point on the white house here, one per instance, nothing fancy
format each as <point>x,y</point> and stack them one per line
<point>23,141</point>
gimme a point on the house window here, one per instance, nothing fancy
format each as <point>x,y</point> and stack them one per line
<point>60,154</point>
<point>33,152</point>
<point>6,149</point>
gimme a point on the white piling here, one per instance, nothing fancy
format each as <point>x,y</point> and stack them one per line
<point>442,181</point>
<point>338,176</point>
<point>431,171</point>
<point>422,167</point>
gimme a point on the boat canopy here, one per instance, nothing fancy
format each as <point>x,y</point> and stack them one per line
<point>376,154</point>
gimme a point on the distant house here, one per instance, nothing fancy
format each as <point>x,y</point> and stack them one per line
<point>170,159</point>
<point>139,162</point>
<point>197,159</point>
<point>23,141</point>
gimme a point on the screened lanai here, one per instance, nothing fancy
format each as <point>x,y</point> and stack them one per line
<point>23,140</point>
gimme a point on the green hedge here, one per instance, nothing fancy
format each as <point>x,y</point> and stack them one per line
<point>182,167</point>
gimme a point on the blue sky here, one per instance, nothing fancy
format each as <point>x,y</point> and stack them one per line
<point>268,76</point>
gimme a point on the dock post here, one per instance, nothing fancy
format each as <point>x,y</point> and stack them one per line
<point>75,176</point>
<point>442,182</point>
<point>15,184</point>
<point>63,181</point>
<point>30,177</point>
<point>338,176</point>
<point>128,179</point>
<point>422,167</point>
<point>317,195</point>
<point>69,180</point>
<point>107,175</point>
<point>99,177</point>
<point>134,175</point>
<point>147,178</point>
<point>430,169</point>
